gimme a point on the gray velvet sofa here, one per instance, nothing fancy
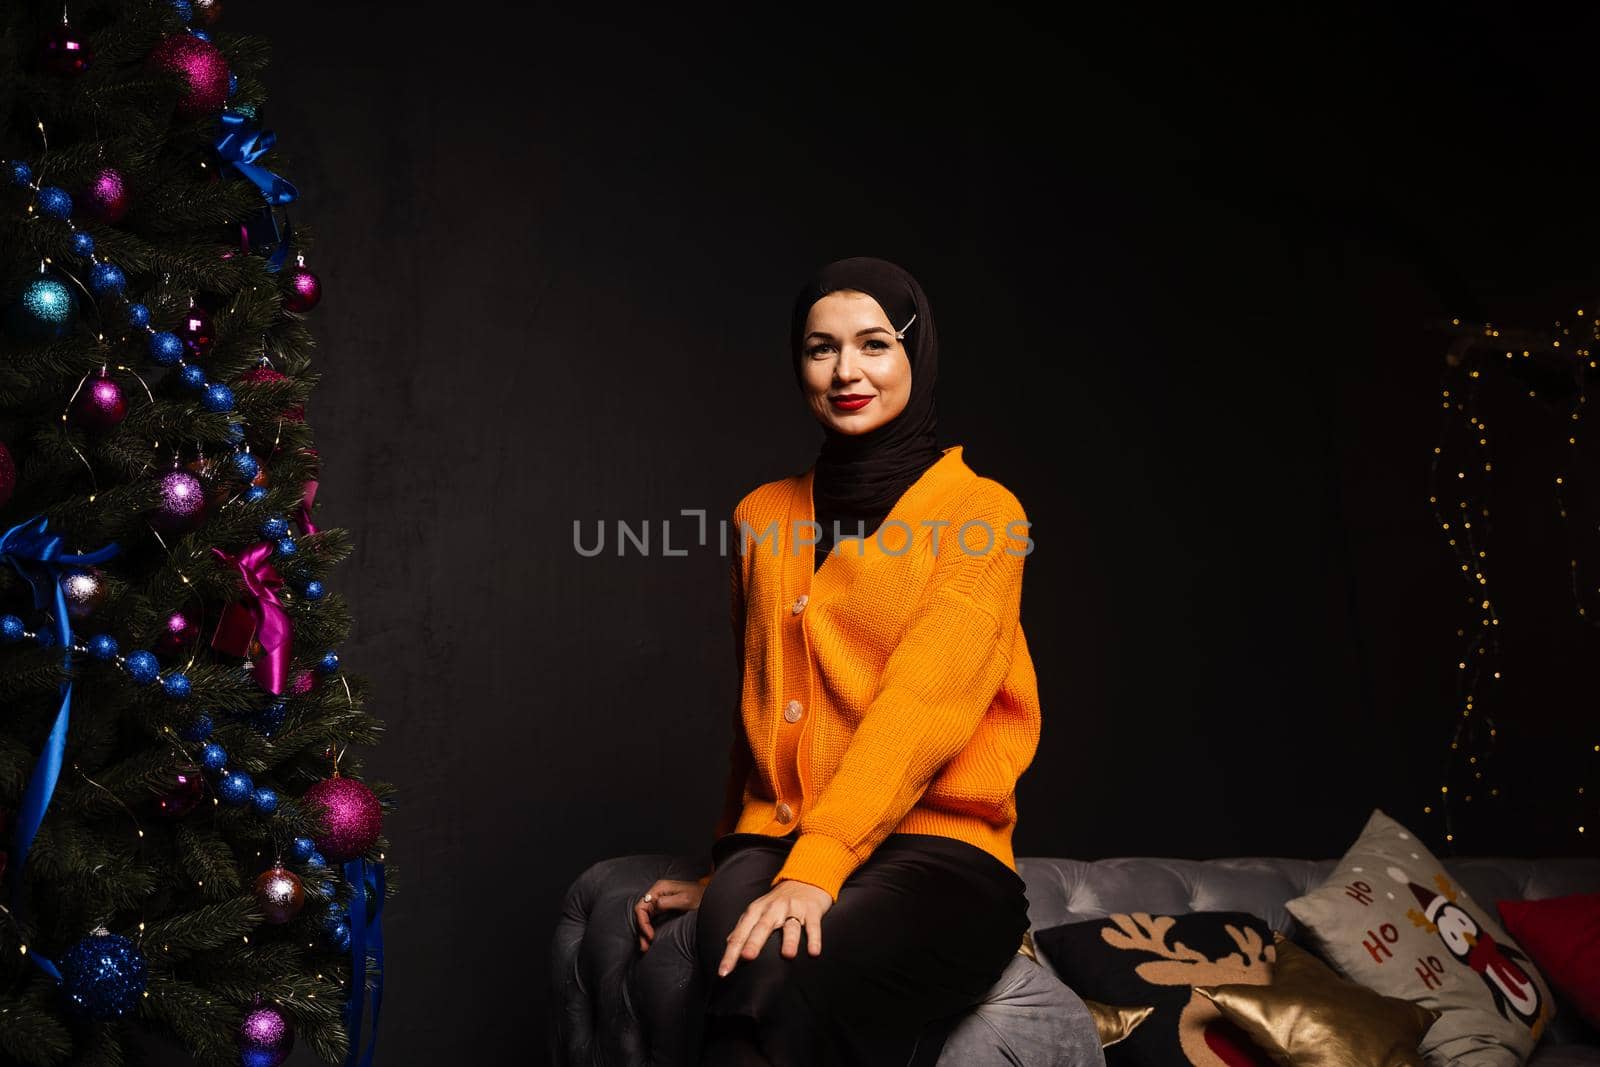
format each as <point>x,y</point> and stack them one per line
<point>613,1005</point>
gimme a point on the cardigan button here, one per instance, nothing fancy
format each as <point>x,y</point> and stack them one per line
<point>799,605</point>
<point>793,712</point>
<point>785,813</point>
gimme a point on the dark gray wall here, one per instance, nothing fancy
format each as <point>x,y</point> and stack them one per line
<point>1181,275</point>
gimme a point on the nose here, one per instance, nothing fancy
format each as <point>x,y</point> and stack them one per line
<point>844,370</point>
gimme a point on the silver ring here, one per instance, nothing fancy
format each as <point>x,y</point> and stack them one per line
<point>648,898</point>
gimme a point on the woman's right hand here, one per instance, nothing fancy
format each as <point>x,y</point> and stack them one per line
<point>667,895</point>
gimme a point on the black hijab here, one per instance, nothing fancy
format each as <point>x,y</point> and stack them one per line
<point>859,477</point>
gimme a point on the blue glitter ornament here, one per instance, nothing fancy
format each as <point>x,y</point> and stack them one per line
<point>287,547</point>
<point>201,35</point>
<point>82,244</point>
<point>106,278</point>
<point>255,492</point>
<point>339,936</point>
<point>198,730</point>
<point>234,433</point>
<point>330,662</point>
<point>233,83</point>
<point>269,720</point>
<point>213,757</point>
<point>184,9</point>
<point>176,686</point>
<point>19,172</point>
<point>236,788</point>
<point>192,376</point>
<point>103,976</point>
<point>274,527</point>
<point>316,859</point>
<point>143,667</point>
<point>55,202</point>
<point>138,315</point>
<point>302,848</point>
<point>11,628</point>
<point>166,348</point>
<point>218,398</point>
<point>103,647</point>
<point>264,800</point>
<point>47,308</point>
<point>245,464</point>
<point>44,637</point>
<point>314,590</point>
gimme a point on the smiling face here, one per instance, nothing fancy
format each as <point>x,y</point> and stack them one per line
<point>856,375</point>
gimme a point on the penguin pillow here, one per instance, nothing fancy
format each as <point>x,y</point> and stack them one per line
<point>1391,919</point>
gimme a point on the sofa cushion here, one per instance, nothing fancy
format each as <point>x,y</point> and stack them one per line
<point>1563,936</point>
<point>1308,1016</point>
<point>1140,958</point>
<point>1391,918</point>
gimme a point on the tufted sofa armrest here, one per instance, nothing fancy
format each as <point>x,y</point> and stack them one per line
<point>612,1005</point>
<point>598,1015</point>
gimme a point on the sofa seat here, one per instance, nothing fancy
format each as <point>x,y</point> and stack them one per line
<point>613,1005</point>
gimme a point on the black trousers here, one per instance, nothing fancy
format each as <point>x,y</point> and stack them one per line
<point>920,933</point>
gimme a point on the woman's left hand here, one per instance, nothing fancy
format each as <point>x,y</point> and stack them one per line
<point>769,912</point>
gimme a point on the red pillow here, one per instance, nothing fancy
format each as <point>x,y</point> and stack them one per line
<point>1562,934</point>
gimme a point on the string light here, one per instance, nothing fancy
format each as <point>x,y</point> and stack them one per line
<point>1469,756</point>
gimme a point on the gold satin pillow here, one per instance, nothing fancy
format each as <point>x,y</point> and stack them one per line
<point>1112,1024</point>
<point>1027,946</point>
<point>1309,1016</point>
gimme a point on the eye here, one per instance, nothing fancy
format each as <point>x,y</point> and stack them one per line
<point>878,345</point>
<point>818,348</point>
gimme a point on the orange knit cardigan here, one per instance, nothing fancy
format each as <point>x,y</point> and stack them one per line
<point>889,691</point>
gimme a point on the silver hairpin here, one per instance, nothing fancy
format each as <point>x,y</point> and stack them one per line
<point>900,334</point>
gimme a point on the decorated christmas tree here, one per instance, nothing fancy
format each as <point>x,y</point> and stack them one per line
<point>191,857</point>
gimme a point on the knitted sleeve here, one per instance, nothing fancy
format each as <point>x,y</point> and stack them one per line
<point>934,691</point>
<point>740,759</point>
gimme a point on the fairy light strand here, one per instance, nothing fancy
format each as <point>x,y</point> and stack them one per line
<point>1458,492</point>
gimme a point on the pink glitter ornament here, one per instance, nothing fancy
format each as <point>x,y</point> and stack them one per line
<point>195,331</point>
<point>201,67</point>
<point>64,50</point>
<point>183,502</point>
<point>305,291</point>
<point>188,790</point>
<point>178,635</point>
<point>279,894</point>
<point>100,404</point>
<point>352,814</point>
<point>265,1037</point>
<point>84,590</point>
<point>301,682</point>
<point>297,413</point>
<point>106,199</point>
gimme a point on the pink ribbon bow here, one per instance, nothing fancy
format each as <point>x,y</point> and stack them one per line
<point>307,498</point>
<point>257,616</point>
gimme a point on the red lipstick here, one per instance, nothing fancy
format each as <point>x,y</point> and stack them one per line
<point>849,401</point>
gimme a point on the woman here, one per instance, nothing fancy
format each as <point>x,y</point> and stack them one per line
<point>888,706</point>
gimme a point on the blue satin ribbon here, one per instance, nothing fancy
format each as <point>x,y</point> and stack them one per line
<point>241,141</point>
<point>364,928</point>
<point>25,547</point>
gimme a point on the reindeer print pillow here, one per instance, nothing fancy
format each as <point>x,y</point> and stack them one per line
<point>1392,919</point>
<point>1139,959</point>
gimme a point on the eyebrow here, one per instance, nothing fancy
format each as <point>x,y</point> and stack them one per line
<point>859,333</point>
